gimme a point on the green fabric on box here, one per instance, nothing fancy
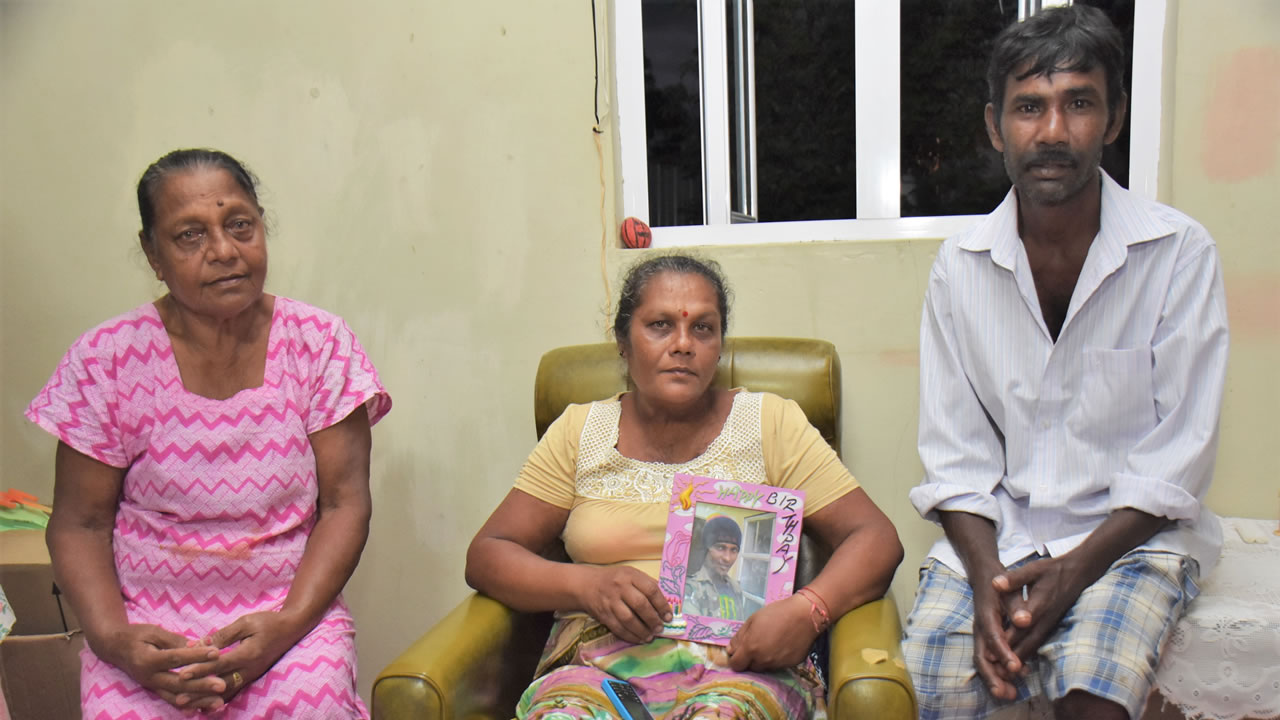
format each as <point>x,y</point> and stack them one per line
<point>21,518</point>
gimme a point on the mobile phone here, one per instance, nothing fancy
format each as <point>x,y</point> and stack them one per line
<point>625,700</point>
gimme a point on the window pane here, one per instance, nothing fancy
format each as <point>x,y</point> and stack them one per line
<point>948,164</point>
<point>672,111</point>
<point>762,535</point>
<point>1115,157</point>
<point>741,118</point>
<point>754,577</point>
<point>804,110</point>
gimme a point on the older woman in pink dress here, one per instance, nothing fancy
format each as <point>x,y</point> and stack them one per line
<point>212,473</point>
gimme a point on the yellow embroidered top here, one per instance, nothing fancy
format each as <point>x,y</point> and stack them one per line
<point>618,506</point>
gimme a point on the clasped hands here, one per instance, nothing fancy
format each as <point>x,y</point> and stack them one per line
<point>1009,628</point>
<point>201,675</point>
<point>631,605</point>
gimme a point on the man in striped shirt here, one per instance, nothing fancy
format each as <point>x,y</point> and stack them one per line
<point>1073,351</point>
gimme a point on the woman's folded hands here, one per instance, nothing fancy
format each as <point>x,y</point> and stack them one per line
<point>201,674</point>
<point>246,649</point>
<point>157,658</point>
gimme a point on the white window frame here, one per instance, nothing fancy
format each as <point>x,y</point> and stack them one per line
<point>749,552</point>
<point>877,121</point>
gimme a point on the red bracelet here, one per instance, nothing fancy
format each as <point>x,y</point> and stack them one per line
<point>818,607</point>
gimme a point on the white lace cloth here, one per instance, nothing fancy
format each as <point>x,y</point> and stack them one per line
<point>1223,659</point>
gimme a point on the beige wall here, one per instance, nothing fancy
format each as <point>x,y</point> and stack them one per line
<point>1226,174</point>
<point>433,178</point>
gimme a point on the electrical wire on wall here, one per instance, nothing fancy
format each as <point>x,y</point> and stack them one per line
<point>596,133</point>
<point>595,56</point>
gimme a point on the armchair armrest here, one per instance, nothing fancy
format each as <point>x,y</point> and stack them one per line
<point>857,684</point>
<point>477,660</point>
<point>464,666</point>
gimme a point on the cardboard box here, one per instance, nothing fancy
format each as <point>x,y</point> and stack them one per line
<point>39,661</point>
<point>41,676</point>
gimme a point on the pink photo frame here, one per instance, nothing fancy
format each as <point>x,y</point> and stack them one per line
<point>711,586</point>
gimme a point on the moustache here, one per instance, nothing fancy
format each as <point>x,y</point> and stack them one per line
<point>1052,156</point>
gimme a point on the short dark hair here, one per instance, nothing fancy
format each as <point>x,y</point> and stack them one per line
<point>1075,38</point>
<point>641,273</point>
<point>184,161</point>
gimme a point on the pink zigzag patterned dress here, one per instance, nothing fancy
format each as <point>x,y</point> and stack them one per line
<point>219,496</point>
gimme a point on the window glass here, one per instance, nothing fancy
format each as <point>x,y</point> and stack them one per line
<point>948,164</point>
<point>1115,157</point>
<point>672,111</point>
<point>790,86</point>
<point>761,537</point>
<point>741,113</point>
<point>804,110</point>
<point>754,575</point>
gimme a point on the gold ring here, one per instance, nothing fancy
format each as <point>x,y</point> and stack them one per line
<point>236,679</point>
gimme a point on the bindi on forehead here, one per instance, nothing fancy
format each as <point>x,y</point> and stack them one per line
<point>678,294</point>
<point>220,203</point>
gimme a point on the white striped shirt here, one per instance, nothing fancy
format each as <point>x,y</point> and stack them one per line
<point>1046,439</point>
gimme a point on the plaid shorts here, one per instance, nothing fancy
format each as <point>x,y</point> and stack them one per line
<point>1107,645</point>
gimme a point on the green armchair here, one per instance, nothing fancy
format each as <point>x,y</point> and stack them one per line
<point>476,661</point>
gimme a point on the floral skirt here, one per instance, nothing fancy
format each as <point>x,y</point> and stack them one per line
<point>676,679</point>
